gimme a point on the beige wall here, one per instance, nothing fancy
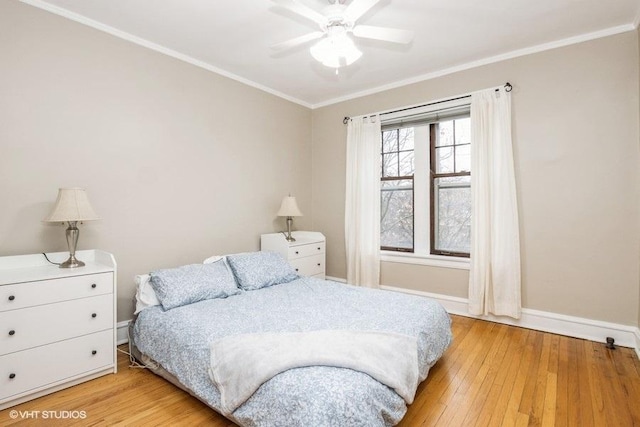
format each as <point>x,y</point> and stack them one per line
<point>575,117</point>
<point>179,162</point>
<point>182,163</point>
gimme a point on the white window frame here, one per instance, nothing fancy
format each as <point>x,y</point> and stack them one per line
<point>421,183</point>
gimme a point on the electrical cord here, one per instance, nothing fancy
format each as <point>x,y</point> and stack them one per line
<point>47,258</point>
<point>133,363</point>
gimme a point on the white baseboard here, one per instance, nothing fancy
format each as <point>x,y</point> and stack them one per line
<point>123,332</point>
<point>577,327</point>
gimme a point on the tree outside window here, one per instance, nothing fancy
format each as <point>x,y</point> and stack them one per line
<point>446,210</point>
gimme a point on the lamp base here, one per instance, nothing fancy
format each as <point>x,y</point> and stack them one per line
<point>72,234</point>
<point>289,236</point>
<point>72,262</point>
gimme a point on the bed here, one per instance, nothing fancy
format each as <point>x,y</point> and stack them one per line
<point>263,297</point>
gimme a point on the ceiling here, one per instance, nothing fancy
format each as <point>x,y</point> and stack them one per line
<point>234,37</point>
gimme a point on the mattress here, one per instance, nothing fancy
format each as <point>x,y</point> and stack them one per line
<point>179,340</point>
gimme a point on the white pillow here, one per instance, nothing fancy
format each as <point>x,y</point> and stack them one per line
<point>145,295</point>
<point>213,259</point>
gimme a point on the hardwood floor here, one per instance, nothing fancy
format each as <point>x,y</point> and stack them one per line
<point>492,375</point>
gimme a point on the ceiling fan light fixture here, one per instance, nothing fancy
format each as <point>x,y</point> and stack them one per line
<point>335,51</point>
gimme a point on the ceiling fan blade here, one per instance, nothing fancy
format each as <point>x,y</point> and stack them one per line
<point>302,10</point>
<point>382,33</point>
<point>288,44</point>
<point>358,8</point>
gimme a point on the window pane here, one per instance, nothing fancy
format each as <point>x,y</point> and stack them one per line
<point>396,214</point>
<point>390,164</point>
<point>453,214</point>
<point>406,141</point>
<point>463,131</point>
<point>463,158</point>
<point>445,133</point>
<point>406,163</point>
<point>444,159</point>
<point>390,141</point>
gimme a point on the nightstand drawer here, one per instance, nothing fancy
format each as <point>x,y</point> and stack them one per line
<point>309,266</point>
<point>43,367</point>
<point>41,292</point>
<point>36,326</point>
<point>306,250</point>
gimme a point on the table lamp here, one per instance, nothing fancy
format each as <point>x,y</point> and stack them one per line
<point>72,206</point>
<point>289,208</point>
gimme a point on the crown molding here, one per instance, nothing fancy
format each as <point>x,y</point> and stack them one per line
<point>158,48</point>
<point>41,4</point>
<point>486,61</point>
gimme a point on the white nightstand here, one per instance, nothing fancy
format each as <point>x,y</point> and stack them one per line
<point>306,254</point>
<point>57,325</point>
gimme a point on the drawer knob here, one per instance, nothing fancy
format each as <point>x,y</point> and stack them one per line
<point>296,269</point>
<point>94,352</point>
<point>94,315</point>
<point>318,264</point>
<point>319,249</point>
<point>12,376</point>
<point>12,297</point>
<point>297,252</point>
<point>93,286</point>
<point>12,332</point>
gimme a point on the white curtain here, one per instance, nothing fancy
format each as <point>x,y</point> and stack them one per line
<point>494,278</point>
<point>362,204</point>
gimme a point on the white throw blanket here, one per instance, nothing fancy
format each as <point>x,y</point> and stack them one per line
<point>240,364</point>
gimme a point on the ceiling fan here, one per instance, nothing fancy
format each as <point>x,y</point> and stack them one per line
<point>336,48</point>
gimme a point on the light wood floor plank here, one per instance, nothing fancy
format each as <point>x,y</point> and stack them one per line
<point>595,385</point>
<point>491,375</point>
<point>499,409</point>
<point>574,406</point>
<point>506,414</point>
<point>539,394</point>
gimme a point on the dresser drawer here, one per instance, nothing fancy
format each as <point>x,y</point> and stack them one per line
<point>35,326</point>
<point>41,292</point>
<point>309,266</point>
<point>310,249</point>
<point>42,367</point>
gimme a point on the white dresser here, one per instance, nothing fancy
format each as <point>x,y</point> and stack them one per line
<point>57,325</point>
<point>306,254</point>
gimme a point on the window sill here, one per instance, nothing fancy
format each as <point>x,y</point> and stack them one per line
<point>425,259</point>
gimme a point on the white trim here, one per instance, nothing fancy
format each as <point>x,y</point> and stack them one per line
<point>158,48</point>
<point>577,327</point>
<point>486,61</point>
<point>198,63</point>
<point>122,329</point>
<point>429,260</point>
<point>636,22</point>
<point>594,330</point>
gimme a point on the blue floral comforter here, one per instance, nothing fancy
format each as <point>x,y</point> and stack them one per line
<point>316,396</point>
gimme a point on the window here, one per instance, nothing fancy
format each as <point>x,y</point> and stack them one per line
<point>396,199</point>
<point>426,182</point>
<point>450,214</point>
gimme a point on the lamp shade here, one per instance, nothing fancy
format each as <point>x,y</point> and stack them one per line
<point>72,205</point>
<point>289,207</point>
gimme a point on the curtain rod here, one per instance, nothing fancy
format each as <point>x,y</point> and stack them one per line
<point>507,88</point>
